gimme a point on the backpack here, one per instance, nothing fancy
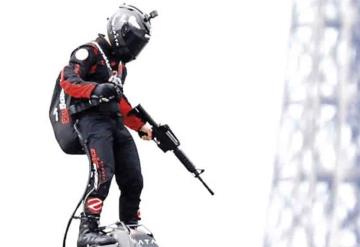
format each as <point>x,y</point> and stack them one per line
<point>62,123</point>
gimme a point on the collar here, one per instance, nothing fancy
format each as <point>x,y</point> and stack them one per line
<point>105,46</point>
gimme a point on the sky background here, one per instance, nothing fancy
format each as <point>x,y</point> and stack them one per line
<point>213,70</point>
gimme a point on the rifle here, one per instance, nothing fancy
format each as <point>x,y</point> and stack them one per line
<point>166,140</point>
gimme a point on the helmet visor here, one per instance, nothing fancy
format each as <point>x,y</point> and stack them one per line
<point>134,39</point>
<point>128,32</point>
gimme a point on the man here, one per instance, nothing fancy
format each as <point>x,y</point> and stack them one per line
<point>94,79</point>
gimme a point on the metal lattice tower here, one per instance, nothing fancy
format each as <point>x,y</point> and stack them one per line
<point>315,199</point>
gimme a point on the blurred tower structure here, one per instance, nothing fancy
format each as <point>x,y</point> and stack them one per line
<point>315,198</point>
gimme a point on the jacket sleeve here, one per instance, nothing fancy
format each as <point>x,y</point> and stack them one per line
<point>131,121</point>
<point>81,62</point>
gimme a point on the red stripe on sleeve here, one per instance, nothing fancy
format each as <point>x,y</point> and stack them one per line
<point>82,90</point>
<point>131,121</point>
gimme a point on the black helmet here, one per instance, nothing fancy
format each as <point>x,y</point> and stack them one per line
<point>129,31</point>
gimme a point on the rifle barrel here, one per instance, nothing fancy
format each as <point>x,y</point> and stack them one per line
<point>206,186</point>
<point>190,167</point>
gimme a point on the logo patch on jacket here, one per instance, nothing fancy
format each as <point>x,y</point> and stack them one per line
<point>82,54</point>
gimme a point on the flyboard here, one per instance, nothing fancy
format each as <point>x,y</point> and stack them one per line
<point>129,235</point>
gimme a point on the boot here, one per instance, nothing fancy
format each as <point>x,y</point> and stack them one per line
<point>90,234</point>
<point>133,221</point>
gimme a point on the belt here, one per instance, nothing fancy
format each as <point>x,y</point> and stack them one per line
<point>105,107</point>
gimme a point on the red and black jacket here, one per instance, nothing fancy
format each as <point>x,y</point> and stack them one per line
<point>86,69</point>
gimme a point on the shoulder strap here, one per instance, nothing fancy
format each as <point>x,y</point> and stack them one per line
<point>114,77</point>
<point>104,56</point>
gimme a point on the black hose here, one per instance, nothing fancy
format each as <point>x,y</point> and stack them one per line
<point>88,183</point>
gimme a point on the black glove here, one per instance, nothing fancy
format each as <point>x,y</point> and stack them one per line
<point>105,92</point>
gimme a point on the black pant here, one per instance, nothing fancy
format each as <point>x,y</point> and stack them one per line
<point>113,151</point>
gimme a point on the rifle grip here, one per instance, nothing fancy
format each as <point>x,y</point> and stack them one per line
<point>141,133</point>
